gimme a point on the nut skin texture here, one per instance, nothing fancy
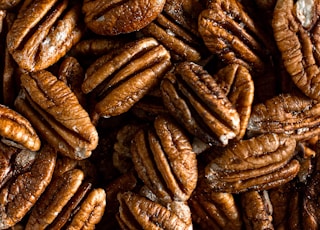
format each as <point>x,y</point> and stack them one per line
<point>17,128</point>
<point>174,168</point>
<point>115,17</point>
<point>296,33</point>
<point>58,106</point>
<point>259,163</point>
<point>49,40</point>
<point>18,196</point>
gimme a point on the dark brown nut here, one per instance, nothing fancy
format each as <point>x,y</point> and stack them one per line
<point>296,32</point>
<point>228,31</point>
<point>258,163</point>
<point>19,195</point>
<point>138,212</point>
<point>164,160</point>
<point>196,100</point>
<point>43,32</point>
<point>294,115</point>
<point>8,4</point>
<point>16,130</point>
<point>56,113</point>
<point>121,79</point>
<point>114,17</point>
<point>257,210</point>
<point>215,210</point>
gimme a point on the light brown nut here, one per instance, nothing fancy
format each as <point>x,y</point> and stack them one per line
<point>43,32</point>
<point>296,32</point>
<point>16,130</point>
<point>164,160</point>
<point>231,33</point>
<point>19,195</point>
<point>123,78</point>
<point>257,210</point>
<point>200,104</point>
<point>62,121</point>
<point>294,115</point>
<point>138,212</point>
<point>114,17</point>
<point>258,163</point>
<point>214,210</point>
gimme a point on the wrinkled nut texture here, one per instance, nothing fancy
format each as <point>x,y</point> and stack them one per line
<point>164,160</point>
<point>296,32</point>
<point>43,32</point>
<point>19,195</point>
<point>258,163</point>
<point>17,130</point>
<point>191,88</point>
<point>58,106</point>
<point>293,115</point>
<point>115,17</point>
<point>122,79</point>
<point>228,31</point>
<point>138,212</point>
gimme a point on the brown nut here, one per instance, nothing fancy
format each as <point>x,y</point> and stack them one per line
<point>138,212</point>
<point>8,4</point>
<point>228,31</point>
<point>114,17</point>
<point>19,194</point>
<point>61,120</point>
<point>124,77</point>
<point>258,163</point>
<point>296,32</point>
<point>43,32</point>
<point>164,160</point>
<point>294,115</point>
<point>257,210</point>
<point>200,103</point>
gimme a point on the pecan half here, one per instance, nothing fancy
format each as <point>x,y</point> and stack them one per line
<point>43,32</point>
<point>196,100</point>
<point>258,163</point>
<point>294,115</point>
<point>19,195</point>
<point>16,130</point>
<point>62,121</point>
<point>296,32</point>
<point>114,17</point>
<point>164,160</point>
<point>124,77</point>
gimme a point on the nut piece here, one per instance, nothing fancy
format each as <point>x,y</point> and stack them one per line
<point>164,160</point>
<point>114,17</point>
<point>61,121</point>
<point>124,77</point>
<point>296,32</point>
<point>43,32</point>
<point>22,192</point>
<point>138,212</point>
<point>17,130</point>
<point>258,163</point>
<point>196,100</point>
<point>292,115</point>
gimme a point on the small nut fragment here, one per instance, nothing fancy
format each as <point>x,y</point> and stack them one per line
<point>258,163</point>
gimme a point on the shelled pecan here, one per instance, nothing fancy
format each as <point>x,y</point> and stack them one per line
<point>164,160</point>
<point>121,78</point>
<point>116,17</point>
<point>43,32</point>
<point>55,111</point>
<point>259,163</point>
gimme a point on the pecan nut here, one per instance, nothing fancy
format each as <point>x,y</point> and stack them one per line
<point>64,123</point>
<point>258,163</point>
<point>172,175</point>
<point>116,17</point>
<point>43,32</point>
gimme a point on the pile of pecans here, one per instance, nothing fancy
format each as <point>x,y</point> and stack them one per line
<point>159,114</point>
